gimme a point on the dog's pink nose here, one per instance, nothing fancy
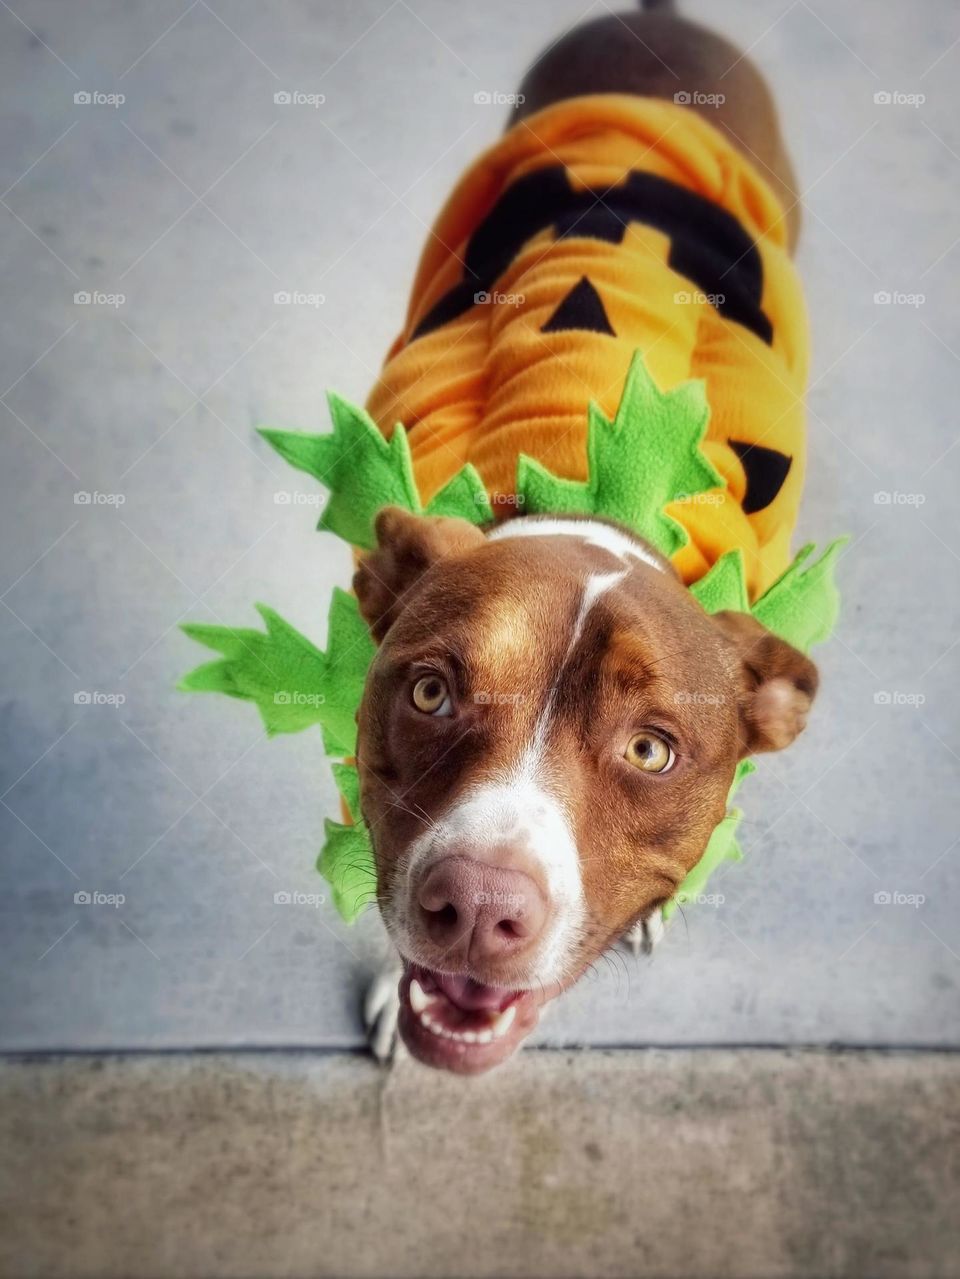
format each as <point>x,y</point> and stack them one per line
<point>480,912</point>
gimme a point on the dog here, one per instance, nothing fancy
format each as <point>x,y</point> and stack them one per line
<point>535,776</point>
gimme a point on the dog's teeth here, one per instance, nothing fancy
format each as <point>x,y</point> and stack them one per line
<point>418,999</point>
<point>468,1036</point>
<point>484,1036</point>
<point>503,1022</point>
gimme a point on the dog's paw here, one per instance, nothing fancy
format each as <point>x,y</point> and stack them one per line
<point>381,1008</point>
<point>644,935</point>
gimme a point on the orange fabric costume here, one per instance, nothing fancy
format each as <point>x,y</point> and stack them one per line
<point>601,226</point>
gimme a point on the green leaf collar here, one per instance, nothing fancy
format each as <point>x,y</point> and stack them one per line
<point>645,458</point>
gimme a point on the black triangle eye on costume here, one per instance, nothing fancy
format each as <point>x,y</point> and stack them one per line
<point>583,309</point>
<point>766,471</point>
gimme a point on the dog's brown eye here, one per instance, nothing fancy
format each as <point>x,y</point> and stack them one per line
<point>649,752</point>
<point>431,695</point>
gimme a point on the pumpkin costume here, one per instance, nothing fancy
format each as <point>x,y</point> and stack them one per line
<point>648,367</point>
<point>598,227</point>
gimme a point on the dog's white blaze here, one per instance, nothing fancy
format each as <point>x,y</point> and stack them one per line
<point>597,585</point>
<point>519,809</point>
<point>594,532</point>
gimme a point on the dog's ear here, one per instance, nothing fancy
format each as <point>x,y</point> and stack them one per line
<point>777,684</point>
<point>407,545</point>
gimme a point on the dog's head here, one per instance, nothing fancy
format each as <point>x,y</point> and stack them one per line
<point>547,737</point>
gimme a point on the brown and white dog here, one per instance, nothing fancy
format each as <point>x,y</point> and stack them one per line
<point>539,765</point>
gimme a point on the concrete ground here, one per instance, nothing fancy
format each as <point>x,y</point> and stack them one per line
<point>719,1164</point>
<point>145,241</point>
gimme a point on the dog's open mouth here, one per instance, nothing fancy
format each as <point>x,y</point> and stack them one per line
<point>458,1024</point>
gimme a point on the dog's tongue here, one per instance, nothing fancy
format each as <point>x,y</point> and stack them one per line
<point>473,996</point>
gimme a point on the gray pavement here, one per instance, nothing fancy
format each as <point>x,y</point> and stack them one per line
<point>198,199</point>
<point>718,1164</point>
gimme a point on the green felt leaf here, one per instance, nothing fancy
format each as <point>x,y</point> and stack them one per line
<point>721,847</point>
<point>464,496</point>
<point>350,650</point>
<point>293,683</point>
<point>281,671</point>
<point>348,784</point>
<point>724,586</point>
<point>802,606</point>
<point>742,771</point>
<point>647,457</point>
<point>346,863</point>
<point>365,472</point>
